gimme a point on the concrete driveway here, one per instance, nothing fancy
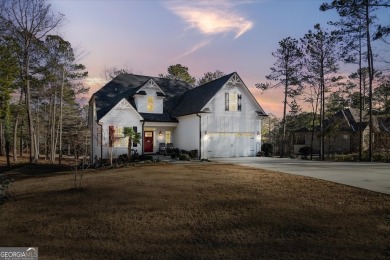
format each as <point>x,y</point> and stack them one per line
<point>369,176</point>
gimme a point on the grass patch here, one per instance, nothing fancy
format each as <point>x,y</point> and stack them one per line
<point>195,211</point>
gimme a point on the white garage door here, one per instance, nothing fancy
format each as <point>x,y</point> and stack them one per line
<point>231,145</point>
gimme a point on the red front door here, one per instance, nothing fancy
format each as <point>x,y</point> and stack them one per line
<point>148,142</point>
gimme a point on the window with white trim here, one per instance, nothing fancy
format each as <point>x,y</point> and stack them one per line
<point>232,102</point>
<point>116,136</point>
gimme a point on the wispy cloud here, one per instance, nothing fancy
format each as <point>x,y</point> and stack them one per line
<point>212,17</point>
<point>194,48</point>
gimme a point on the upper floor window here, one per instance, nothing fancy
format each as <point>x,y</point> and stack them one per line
<point>232,102</point>
<point>150,104</point>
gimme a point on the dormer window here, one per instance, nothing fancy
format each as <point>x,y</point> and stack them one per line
<point>232,102</point>
<point>150,105</point>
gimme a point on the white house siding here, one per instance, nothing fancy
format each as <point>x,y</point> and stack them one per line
<point>140,103</point>
<point>122,115</point>
<point>158,105</point>
<point>231,133</point>
<point>186,135</point>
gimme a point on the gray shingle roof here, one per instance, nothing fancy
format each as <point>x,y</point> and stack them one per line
<point>384,124</point>
<point>126,85</point>
<point>180,97</point>
<point>195,99</point>
<point>165,117</point>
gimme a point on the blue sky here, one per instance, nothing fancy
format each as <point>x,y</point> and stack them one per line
<point>150,35</point>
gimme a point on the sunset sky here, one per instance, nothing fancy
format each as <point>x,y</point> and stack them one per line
<point>148,36</point>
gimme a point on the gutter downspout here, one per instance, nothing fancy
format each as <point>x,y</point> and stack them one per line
<point>91,155</point>
<point>142,142</point>
<point>200,136</point>
<point>101,143</point>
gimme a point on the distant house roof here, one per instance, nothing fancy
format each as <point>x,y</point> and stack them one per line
<point>384,124</point>
<point>345,120</point>
<point>348,120</point>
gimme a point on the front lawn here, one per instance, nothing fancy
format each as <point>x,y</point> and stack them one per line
<point>201,210</point>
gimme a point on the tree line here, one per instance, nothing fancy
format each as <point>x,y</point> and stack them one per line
<point>39,84</point>
<point>308,69</point>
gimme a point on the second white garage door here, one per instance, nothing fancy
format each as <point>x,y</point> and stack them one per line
<point>231,145</point>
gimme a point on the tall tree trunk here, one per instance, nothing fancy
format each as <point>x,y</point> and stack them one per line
<point>370,78</point>
<point>360,95</point>
<point>129,149</point>
<point>322,86</point>
<point>284,118</point>
<point>7,132</point>
<point>29,115</point>
<point>315,110</point>
<point>37,135</point>
<point>1,138</point>
<point>21,140</point>
<point>60,123</point>
<point>7,152</point>
<point>53,131</point>
<point>15,152</point>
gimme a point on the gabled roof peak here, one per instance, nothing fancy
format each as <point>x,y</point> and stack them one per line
<point>150,84</point>
<point>235,79</point>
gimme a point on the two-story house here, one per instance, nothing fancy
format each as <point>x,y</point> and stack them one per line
<point>219,119</point>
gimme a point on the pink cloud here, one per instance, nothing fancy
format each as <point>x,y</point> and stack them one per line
<point>212,18</point>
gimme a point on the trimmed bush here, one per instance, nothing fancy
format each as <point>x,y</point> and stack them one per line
<point>184,157</point>
<point>145,157</point>
<point>304,151</point>
<point>268,149</point>
<point>260,154</point>
<point>193,154</point>
<point>122,158</point>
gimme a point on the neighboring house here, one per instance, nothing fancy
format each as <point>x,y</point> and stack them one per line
<point>382,134</point>
<point>219,119</point>
<point>342,132</point>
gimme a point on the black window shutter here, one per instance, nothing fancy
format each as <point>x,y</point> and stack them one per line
<point>135,130</point>
<point>239,102</point>
<point>111,136</point>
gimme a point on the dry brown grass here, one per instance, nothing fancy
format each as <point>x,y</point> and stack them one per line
<point>201,210</point>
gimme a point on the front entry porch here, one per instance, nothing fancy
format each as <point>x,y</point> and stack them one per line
<point>155,134</point>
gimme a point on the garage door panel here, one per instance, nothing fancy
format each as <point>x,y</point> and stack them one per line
<point>231,145</point>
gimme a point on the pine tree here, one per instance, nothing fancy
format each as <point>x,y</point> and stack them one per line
<point>364,12</point>
<point>286,71</point>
